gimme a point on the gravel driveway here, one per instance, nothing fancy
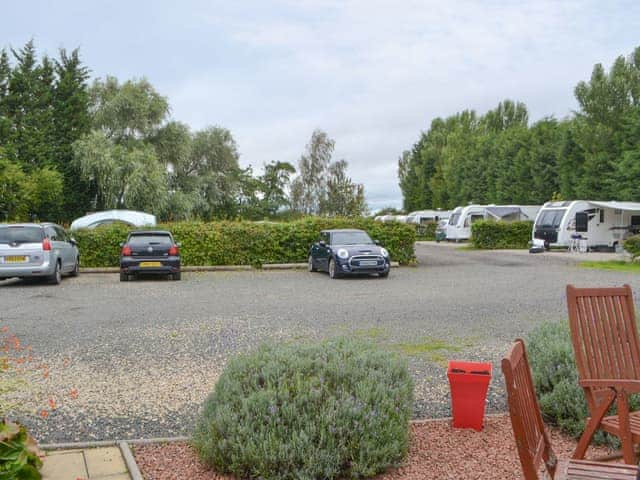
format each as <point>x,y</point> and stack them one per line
<point>143,355</point>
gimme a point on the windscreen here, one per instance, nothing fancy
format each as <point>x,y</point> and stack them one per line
<point>139,240</point>
<point>15,234</point>
<point>550,218</point>
<point>350,238</point>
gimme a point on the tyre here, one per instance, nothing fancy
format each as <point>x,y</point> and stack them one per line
<point>310,267</point>
<point>383,275</point>
<point>176,276</point>
<point>124,277</point>
<point>333,272</point>
<point>56,277</point>
<point>76,270</point>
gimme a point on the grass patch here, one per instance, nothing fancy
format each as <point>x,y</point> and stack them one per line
<point>433,350</point>
<point>616,265</point>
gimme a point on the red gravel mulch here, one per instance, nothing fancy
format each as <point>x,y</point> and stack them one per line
<point>437,451</point>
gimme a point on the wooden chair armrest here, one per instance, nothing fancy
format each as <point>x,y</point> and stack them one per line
<point>629,386</point>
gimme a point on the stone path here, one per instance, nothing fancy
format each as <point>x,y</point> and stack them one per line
<point>102,463</point>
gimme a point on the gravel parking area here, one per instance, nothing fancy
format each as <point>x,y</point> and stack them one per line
<point>143,355</point>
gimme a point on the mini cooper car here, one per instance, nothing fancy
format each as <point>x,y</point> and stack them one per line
<point>348,252</point>
<point>37,250</point>
<point>150,252</point>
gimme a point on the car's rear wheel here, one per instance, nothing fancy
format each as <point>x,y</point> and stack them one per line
<point>124,277</point>
<point>56,277</point>
<point>76,270</point>
<point>333,272</point>
<point>310,266</point>
<point>176,276</point>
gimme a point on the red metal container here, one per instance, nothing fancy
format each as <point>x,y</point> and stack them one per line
<point>469,382</point>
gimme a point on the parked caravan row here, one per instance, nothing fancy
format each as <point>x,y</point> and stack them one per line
<point>458,227</point>
<point>600,225</point>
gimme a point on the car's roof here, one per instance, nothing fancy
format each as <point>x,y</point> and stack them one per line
<point>150,232</point>
<point>345,230</point>
<point>43,224</point>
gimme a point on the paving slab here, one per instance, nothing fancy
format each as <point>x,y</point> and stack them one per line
<point>104,461</point>
<point>64,465</point>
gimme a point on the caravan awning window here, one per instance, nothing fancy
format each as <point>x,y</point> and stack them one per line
<point>501,212</point>
<point>551,218</point>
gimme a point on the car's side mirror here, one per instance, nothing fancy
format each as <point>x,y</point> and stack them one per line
<point>377,242</point>
<point>322,243</point>
<point>72,241</point>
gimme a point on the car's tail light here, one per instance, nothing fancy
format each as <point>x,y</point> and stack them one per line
<point>174,251</point>
<point>46,245</point>
<point>126,251</point>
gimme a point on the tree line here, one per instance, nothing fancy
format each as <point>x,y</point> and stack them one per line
<point>69,146</point>
<point>499,157</point>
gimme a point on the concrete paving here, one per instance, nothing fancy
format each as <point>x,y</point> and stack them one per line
<point>103,463</point>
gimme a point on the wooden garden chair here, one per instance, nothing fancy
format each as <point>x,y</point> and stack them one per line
<point>532,440</point>
<point>607,351</point>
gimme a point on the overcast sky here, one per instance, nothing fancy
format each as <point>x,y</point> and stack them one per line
<point>372,74</point>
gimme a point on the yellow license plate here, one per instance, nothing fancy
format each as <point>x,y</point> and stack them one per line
<point>150,264</point>
<point>15,259</point>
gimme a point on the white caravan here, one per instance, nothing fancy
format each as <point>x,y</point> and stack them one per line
<point>130,217</point>
<point>423,216</point>
<point>602,225</point>
<point>461,219</point>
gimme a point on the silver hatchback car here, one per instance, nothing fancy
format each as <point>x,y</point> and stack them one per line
<point>41,250</point>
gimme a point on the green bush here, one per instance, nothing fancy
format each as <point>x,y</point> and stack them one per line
<point>339,408</point>
<point>19,453</point>
<point>555,378</point>
<point>495,235</point>
<point>632,245</point>
<point>246,243</point>
<point>427,230</point>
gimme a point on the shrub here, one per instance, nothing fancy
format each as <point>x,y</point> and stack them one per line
<point>19,454</point>
<point>427,230</point>
<point>555,378</point>
<point>246,243</point>
<point>632,245</point>
<point>495,235</point>
<point>308,411</point>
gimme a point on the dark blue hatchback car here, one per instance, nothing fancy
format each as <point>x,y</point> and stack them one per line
<point>348,252</point>
<point>150,252</point>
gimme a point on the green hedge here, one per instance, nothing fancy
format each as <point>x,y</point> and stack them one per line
<point>427,230</point>
<point>632,245</point>
<point>336,409</point>
<point>246,243</point>
<point>494,235</point>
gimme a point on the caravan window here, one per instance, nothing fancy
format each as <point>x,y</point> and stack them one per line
<point>471,219</point>
<point>550,218</point>
<point>454,219</point>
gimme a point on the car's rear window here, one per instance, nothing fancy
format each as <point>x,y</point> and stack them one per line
<point>149,240</point>
<point>17,234</point>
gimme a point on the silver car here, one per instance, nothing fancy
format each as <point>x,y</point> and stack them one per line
<point>41,250</point>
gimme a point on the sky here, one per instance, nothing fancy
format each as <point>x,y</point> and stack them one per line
<point>371,73</point>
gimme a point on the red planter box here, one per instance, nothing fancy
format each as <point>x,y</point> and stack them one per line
<point>469,382</point>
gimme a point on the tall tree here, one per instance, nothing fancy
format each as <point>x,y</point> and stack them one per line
<point>71,121</point>
<point>309,187</point>
<point>322,187</point>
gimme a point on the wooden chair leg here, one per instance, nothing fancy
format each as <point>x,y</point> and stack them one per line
<point>592,426</point>
<point>628,453</point>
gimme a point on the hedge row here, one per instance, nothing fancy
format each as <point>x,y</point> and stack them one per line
<point>427,230</point>
<point>494,235</point>
<point>246,243</point>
